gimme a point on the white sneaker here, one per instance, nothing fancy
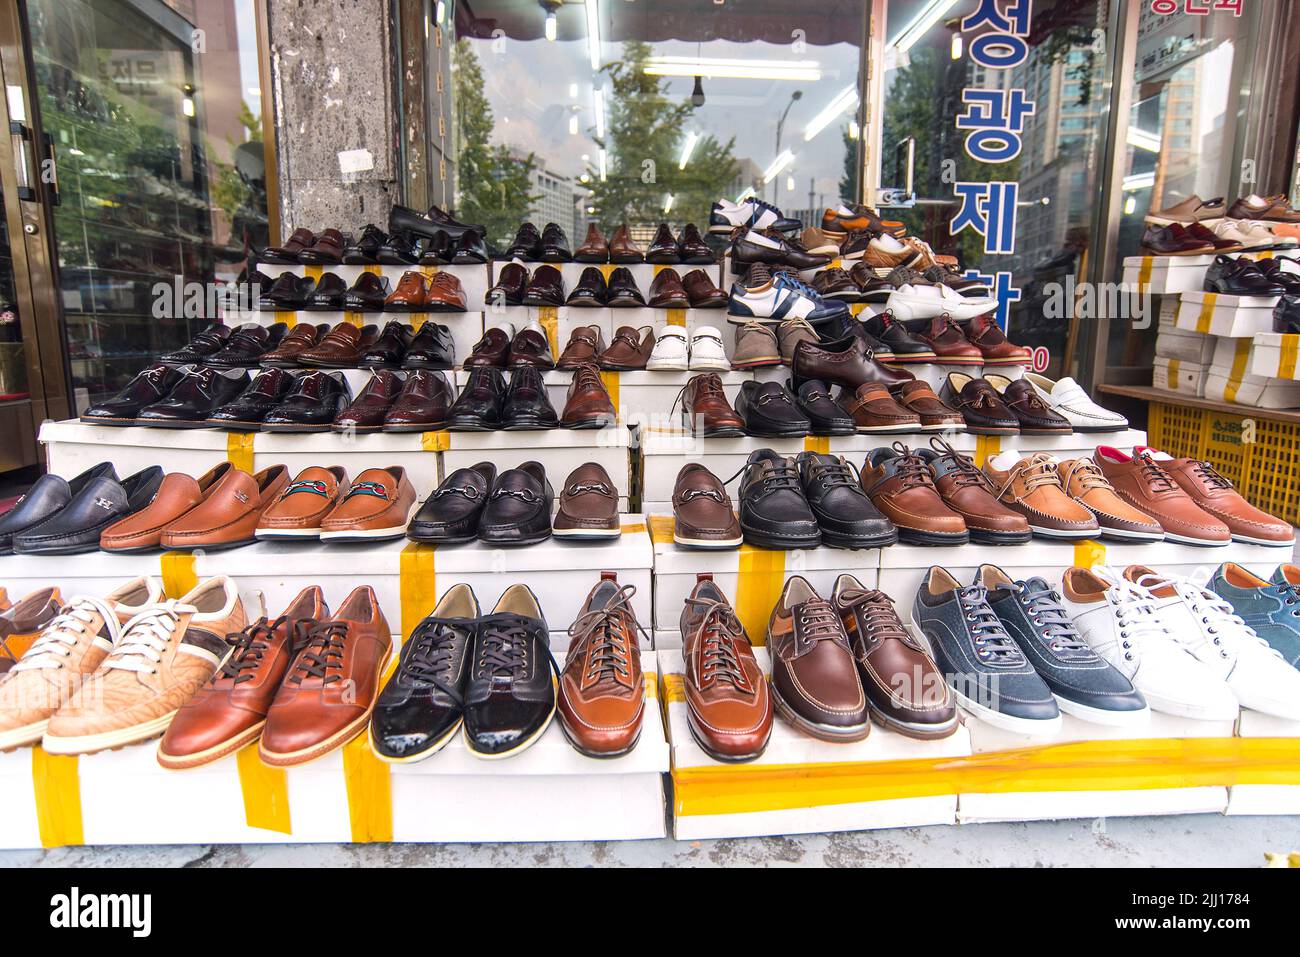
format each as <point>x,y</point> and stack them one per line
<point>724,216</point>
<point>1123,623</point>
<point>1067,398</point>
<point>1210,631</point>
<point>926,302</point>
<point>670,351</point>
<point>708,352</point>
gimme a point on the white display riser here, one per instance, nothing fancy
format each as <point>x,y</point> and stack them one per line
<point>348,795</point>
<point>72,447</point>
<point>1165,275</point>
<point>1264,798</point>
<point>474,279</point>
<point>1225,315</point>
<point>694,820</point>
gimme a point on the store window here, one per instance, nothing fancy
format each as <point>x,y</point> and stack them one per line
<point>613,111</point>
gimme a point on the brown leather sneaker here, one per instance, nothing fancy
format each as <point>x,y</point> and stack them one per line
<point>905,690</point>
<point>986,335</point>
<point>298,511</point>
<point>228,515</point>
<point>165,654</point>
<point>967,491</point>
<point>375,507</point>
<point>586,343</point>
<point>230,710</point>
<point>1032,487</point>
<point>728,707</point>
<point>899,483</point>
<point>706,410</point>
<point>950,345</point>
<point>178,493</point>
<point>588,505</point>
<point>1216,496</point>
<point>703,516</point>
<point>1142,482</point>
<point>874,409</point>
<point>588,404</point>
<point>756,347</point>
<point>629,350</point>
<point>917,397</point>
<point>602,688</point>
<point>326,699</point>
<point>847,362</point>
<point>69,649</point>
<point>23,621</point>
<point>815,683</point>
<point>1084,482</point>
<point>411,294</point>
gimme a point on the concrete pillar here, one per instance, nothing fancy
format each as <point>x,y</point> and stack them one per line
<point>335,113</point>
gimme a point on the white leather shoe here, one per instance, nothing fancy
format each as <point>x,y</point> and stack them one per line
<point>707,352</point>
<point>926,302</point>
<point>670,351</point>
<point>1067,398</point>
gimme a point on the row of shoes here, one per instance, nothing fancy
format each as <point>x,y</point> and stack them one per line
<point>415,292</point>
<point>860,283</point>
<point>551,245</point>
<point>938,496</point>
<point>1274,276</point>
<point>1200,239</point>
<point>1270,212</point>
<point>432,239</point>
<point>515,286</point>
<point>319,345</point>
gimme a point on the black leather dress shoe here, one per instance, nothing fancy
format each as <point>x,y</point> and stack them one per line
<point>623,291</point>
<point>693,249</point>
<point>403,217</point>
<point>432,348</point>
<point>1286,315</point>
<point>845,514</point>
<point>527,244</point>
<point>769,409</point>
<point>512,281</point>
<point>555,246</point>
<point>510,695</point>
<point>200,347</point>
<point>191,402</point>
<point>774,513</point>
<point>1275,272</point>
<point>451,514</point>
<point>761,248</point>
<point>519,509</point>
<point>478,407</point>
<point>663,247</point>
<point>526,405</point>
<point>246,346</point>
<point>389,348</point>
<point>437,249</point>
<point>470,249</point>
<point>246,412</point>
<point>422,705</point>
<point>364,249</point>
<point>288,293</point>
<point>898,342</point>
<point>825,415</point>
<point>1239,277</point>
<point>312,404</point>
<point>545,288</point>
<point>591,290</point>
<point>77,526</point>
<point>402,249</point>
<point>48,495</point>
<point>150,385</point>
<point>328,294</point>
<point>367,294</point>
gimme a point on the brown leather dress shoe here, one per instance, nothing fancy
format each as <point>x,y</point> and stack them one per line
<point>586,343</point>
<point>1032,487</point>
<point>594,249</point>
<point>1215,495</point>
<point>986,335</point>
<point>588,505</point>
<point>629,350</point>
<point>446,294</point>
<point>667,291</point>
<point>701,292</point>
<point>622,249</point>
<point>545,288</point>
<point>303,336</point>
<point>366,412</point>
<point>918,397</point>
<point>602,688</point>
<point>588,404</point>
<point>325,250</point>
<point>706,411</point>
<point>423,403</point>
<point>967,491</point>
<point>329,692</point>
<point>899,483</point>
<point>376,507</point>
<point>178,493</point>
<point>1142,482</point>
<point>950,345</point>
<point>490,351</point>
<point>509,289</point>
<point>411,294</point>
<point>301,238</point>
<point>1084,483</point>
<point>228,516</point>
<point>530,347</point>
<point>847,362</point>
<point>979,404</point>
<point>874,409</point>
<point>341,348</point>
<point>703,516</point>
<point>304,503</point>
<point>230,710</point>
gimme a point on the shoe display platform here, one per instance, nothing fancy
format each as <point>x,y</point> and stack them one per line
<point>349,795</point>
<point>1225,315</point>
<point>474,280</point>
<point>1274,355</point>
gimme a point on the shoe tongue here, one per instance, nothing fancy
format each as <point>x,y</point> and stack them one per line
<point>1004,461</point>
<point>1135,574</point>
<point>1154,453</point>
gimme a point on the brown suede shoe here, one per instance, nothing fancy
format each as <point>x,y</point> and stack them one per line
<point>756,347</point>
<point>588,404</point>
<point>917,396</point>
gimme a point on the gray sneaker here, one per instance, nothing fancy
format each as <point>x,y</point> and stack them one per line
<point>756,346</point>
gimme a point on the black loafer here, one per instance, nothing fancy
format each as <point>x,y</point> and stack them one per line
<point>470,249</point>
<point>590,291</point>
<point>367,293</point>
<point>555,245</point>
<point>478,407</point>
<point>527,245</point>
<point>207,342</point>
<point>48,495</point>
<point>526,405</point>
<point>101,502</point>
<point>432,348</point>
<point>518,511</point>
<point>438,249</point>
<point>269,389</point>
<point>769,409</point>
<point>190,404</point>
<point>825,416</point>
<point>451,514</point>
<point>402,249</point>
<point>364,250</point>
<point>311,405</point>
<point>246,346</point>
<point>845,514</point>
<point>150,385</point>
<point>288,293</point>
<point>329,293</point>
<point>774,513</point>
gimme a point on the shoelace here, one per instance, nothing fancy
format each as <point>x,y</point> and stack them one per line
<point>1210,475</point>
<point>249,645</point>
<point>1043,605</point>
<point>586,377</point>
<point>322,656</point>
<point>430,661</point>
<point>1135,612</point>
<point>1037,471</point>
<point>145,638</point>
<point>798,285</point>
<point>911,469</point>
<point>879,619</point>
<point>1227,630</point>
<point>992,643</point>
<point>60,636</point>
<point>720,630</point>
<point>966,475</point>
<point>838,473</point>
<point>608,652</point>
<point>819,621</point>
<point>706,387</point>
<point>1156,476</point>
<point>504,651</point>
<point>777,475</point>
<point>1088,474</point>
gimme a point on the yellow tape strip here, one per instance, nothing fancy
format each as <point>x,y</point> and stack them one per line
<point>548,316</point>
<point>661,528</point>
<point>370,792</point>
<point>676,317</point>
<point>177,570</point>
<point>855,308</point>
<point>606,269</point>
<point>428,272</point>
<point>651,686</point>
<point>1089,553</point>
<point>632,528</point>
<point>674,688</point>
<point>758,586</point>
<point>265,790</point>
<point>417,584</point>
<point>290,319</point>
<point>417,319</point>
<point>986,446</point>
<point>313,272</point>
<point>374,270</point>
<point>611,386</point>
<point>1207,312</point>
<point>435,441</point>
<point>1144,274</point>
<point>1240,356</point>
<point>1079,766</point>
<point>1171,374</point>
<point>56,786</point>
<point>1287,363</point>
<point>239,450</point>
<point>817,443</point>
<point>357,319</point>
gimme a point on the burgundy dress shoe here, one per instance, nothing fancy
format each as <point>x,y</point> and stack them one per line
<point>594,249</point>
<point>511,282</point>
<point>490,351</point>
<point>327,250</point>
<point>667,292</point>
<point>300,338</point>
<point>530,347</point>
<point>545,288</point>
<point>591,291</point>
<point>302,238</point>
<point>701,291</point>
<point>693,249</point>
<point>341,348</point>
<point>663,247</point>
<point>422,405</point>
<point>367,411</point>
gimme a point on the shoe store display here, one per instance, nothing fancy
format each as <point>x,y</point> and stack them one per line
<point>77,526</point>
<point>141,531</point>
<point>189,404</point>
<point>980,405</point>
<point>671,350</point>
<point>1084,482</point>
<point>147,387</point>
<point>844,513</point>
<point>770,297</point>
<point>1142,483</point>
<point>769,410</point>
<point>1031,485</point>
<point>367,411</point>
<point>1033,415</point>
<point>431,348</point>
<point>229,513</point>
<point>918,398</point>
<point>518,510</point>
<point>297,512</point>
<point>1215,495</point>
<point>1068,399</point>
<point>815,683</point>
<point>311,405</point>
<point>629,350</point>
<point>703,516</point>
<point>22,623</point>
<point>825,416</point>
<point>967,491</point>
<point>376,507</point>
<point>774,511</point>
<point>588,404</point>
<point>622,290</point>
<point>1270,606</point>
<point>900,484</point>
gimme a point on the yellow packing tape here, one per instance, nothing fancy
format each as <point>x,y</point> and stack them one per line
<point>417,320</point>
<point>817,443</point>
<point>439,441</point>
<point>239,450</point>
<point>428,271</point>
<point>661,528</point>
<point>607,270</point>
<point>56,786</point>
<point>1171,374</point>
<point>1207,312</point>
<point>548,316</point>
<point>374,270</point>
<point>178,575</point>
<point>676,317</point>
<point>290,319</point>
<point>761,576</point>
<point>1089,553</point>
<point>611,386</point>
<point>855,308</point>
<point>1240,356</point>
<point>417,584</point>
<point>313,272</point>
<point>632,528</point>
<point>1144,274</point>
<point>357,319</point>
<point>674,687</point>
<point>370,792</point>
<point>1286,364</point>
<point>986,446</point>
<point>266,792</point>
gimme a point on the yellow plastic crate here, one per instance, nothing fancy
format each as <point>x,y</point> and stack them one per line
<point>1260,456</point>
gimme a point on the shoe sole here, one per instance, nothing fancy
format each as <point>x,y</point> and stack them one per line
<point>601,755</point>
<point>717,755</point>
<point>764,540</point>
<point>507,543</point>
<point>96,420</point>
<point>710,544</point>
<point>415,427</point>
<point>843,541</point>
<point>586,534</point>
<point>1263,541</point>
<point>819,731</point>
<point>762,362</point>
<point>1199,542</point>
<point>108,740</point>
<point>428,752</point>
<point>1124,535</point>
<point>1028,726</point>
<point>368,535</point>
<point>28,734</point>
<point>287,534</point>
<point>208,546</point>
<point>916,536</point>
<point>887,429</point>
<point>919,732</point>
<point>527,743</point>
<point>1066,534</point>
<point>1111,719</point>
<point>210,755</point>
<point>603,422</point>
<point>984,537</point>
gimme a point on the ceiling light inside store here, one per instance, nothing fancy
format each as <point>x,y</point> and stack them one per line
<point>789,183</point>
<point>593,33</point>
<point>778,164</point>
<point>573,125</point>
<point>1143,139</point>
<point>1130,205</point>
<point>1139,181</point>
<point>920,24</point>
<point>598,107</point>
<point>550,26</point>
<point>735,69</point>
<point>844,100</point>
<point>688,148</point>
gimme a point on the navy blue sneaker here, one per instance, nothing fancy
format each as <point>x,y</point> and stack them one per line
<point>770,297</point>
<point>1271,607</point>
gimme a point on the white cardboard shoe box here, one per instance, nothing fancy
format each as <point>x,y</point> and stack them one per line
<point>1271,798</point>
<point>1178,375</point>
<point>1159,275</point>
<point>1274,356</point>
<point>1220,314</point>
